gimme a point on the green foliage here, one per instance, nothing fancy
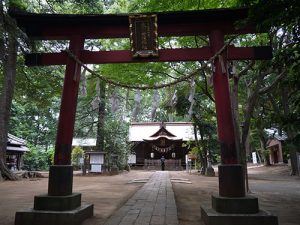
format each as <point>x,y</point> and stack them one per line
<point>116,147</point>
<point>37,159</point>
<point>77,153</point>
<point>17,4</point>
<point>66,6</point>
<point>195,151</point>
<point>175,5</point>
<point>268,13</point>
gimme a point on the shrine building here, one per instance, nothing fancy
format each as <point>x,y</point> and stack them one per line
<point>16,148</point>
<point>152,140</point>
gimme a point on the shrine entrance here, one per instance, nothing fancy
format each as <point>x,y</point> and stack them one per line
<point>143,31</point>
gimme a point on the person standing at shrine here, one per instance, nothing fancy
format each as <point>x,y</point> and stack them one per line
<point>162,161</point>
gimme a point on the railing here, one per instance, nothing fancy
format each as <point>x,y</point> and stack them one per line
<point>155,164</point>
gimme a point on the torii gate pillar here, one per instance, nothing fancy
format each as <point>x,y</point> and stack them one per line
<point>61,206</point>
<point>232,205</point>
<point>231,178</point>
<point>61,173</point>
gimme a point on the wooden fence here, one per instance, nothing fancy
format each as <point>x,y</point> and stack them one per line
<point>155,164</point>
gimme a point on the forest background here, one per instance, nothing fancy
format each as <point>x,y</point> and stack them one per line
<point>264,94</point>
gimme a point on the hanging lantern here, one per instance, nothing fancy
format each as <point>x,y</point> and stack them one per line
<point>173,155</point>
<point>152,155</point>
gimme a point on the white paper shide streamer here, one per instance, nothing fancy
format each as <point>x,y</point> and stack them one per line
<point>115,102</point>
<point>191,97</point>
<point>174,99</point>
<point>96,101</point>
<point>83,89</point>
<point>155,101</point>
<point>137,105</point>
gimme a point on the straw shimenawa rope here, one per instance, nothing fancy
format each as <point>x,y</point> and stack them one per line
<point>147,87</point>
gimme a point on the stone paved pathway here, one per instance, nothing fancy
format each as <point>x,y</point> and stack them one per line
<point>153,204</point>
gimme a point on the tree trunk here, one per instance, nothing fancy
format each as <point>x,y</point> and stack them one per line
<point>263,145</point>
<point>198,145</point>
<point>204,160</point>
<point>251,102</point>
<point>204,150</point>
<point>9,71</point>
<point>101,119</point>
<point>290,133</point>
<point>2,32</point>
<point>235,114</point>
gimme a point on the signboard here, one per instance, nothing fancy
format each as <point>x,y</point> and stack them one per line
<point>96,161</point>
<point>143,36</point>
<point>131,159</point>
<point>97,158</point>
<point>81,161</point>
<point>96,168</point>
<point>254,159</point>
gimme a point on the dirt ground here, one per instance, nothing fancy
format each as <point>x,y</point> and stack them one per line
<point>278,193</point>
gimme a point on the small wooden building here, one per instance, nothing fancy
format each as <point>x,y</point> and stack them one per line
<point>152,140</point>
<point>274,144</point>
<point>275,147</point>
<point>16,147</point>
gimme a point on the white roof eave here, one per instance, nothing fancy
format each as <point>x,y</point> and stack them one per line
<point>141,131</point>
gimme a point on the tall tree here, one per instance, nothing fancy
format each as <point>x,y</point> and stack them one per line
<point>282,18</point>
<point>8,47</point>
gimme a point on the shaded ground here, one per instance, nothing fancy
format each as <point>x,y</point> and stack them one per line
<point>277,192</point>
<point>107,193</point>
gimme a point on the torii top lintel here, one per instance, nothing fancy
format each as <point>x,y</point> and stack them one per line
<point>187,23</point>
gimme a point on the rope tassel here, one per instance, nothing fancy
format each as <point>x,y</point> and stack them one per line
<point>223,67</point>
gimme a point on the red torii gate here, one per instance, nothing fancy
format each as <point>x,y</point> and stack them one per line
<point>77,28</point>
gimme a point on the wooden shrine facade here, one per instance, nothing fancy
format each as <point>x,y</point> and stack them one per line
<point>152,140</point>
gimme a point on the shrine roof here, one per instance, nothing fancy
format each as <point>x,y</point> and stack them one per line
<point>144,131</point>
<point>36,25</point>
<point>84,142</point>
<point>16,144</point>
<point>273,133</point>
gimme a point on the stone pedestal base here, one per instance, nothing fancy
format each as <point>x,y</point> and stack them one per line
<point>243,205</point>
<point>57,203</point>
<point>44,217</point>
<point>236,211</point>
<point>231,181</point>
<point>232,206</point>
<point>60,180</point>
<point>60,206</point>
<point>211,217</point>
